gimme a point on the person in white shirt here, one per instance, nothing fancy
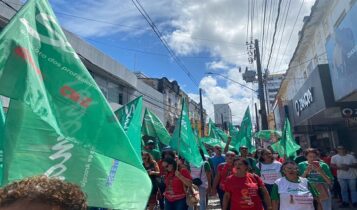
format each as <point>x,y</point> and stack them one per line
<point>268,169</point>
<point>292,192</point>
<point>346,166</point>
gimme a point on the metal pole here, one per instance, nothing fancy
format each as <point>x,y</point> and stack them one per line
<point>202,120</point>
<point>261,88</point>
<point>222,121</point>
<point>256,116</point>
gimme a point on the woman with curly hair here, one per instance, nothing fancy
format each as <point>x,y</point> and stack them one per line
<point>42,193</point>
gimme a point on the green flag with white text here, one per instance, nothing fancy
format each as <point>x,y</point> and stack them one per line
<point>58,119</point>
<point>245,133</point>
<point>183,139</point>
<point>129,117</point>
<point>152,126</point>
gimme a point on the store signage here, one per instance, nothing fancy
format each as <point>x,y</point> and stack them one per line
<point>304,102</point>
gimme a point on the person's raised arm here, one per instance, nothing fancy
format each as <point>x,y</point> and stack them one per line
<point>226,148</point>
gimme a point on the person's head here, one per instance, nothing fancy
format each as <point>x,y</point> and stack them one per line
<point>230,157</point>
<point>275,155</point>
<point>150,144</point>
<point>311,154</point>
<point>42,193</point>
<point>240,165</point>
<point>147,157</point>
<point>217,150</point>
<point>167,152</point>
<point>243,151</point>
<point>290,170</point>
<point>341,150</point>
<point>266,156</point>
<point>170,164</point>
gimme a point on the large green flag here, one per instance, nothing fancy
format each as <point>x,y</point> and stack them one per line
<point>58,119</point>
<point>2,131</point>
<point>183,139</point>
<point>234,133</point>
<point>130,118</point>
<point>152,126</point>
<point>215,132</point>
<point>245,133</point>
<point>287,145</point>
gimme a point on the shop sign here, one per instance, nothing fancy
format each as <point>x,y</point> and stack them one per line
<point>304,102</point>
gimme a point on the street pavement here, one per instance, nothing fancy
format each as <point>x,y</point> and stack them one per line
<point>213,204</point>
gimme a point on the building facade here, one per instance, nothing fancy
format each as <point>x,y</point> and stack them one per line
<point>272,84</point>
<point>319,93</point>
<point>173,96</point>
<point>222,115</point>
<point>117,83</point>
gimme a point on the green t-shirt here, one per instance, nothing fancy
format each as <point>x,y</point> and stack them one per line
<point>275,191</point>
<point>155,154</point>
<point>315,177</point>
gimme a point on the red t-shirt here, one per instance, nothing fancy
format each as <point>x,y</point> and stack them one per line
<point>245,192</point>
<point>327,160</point>
<point>224,170</point>
<point>174,186</point>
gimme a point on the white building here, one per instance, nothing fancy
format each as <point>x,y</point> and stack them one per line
<point>222,115</point>
<point>320,81</point>
<point>273,82</point>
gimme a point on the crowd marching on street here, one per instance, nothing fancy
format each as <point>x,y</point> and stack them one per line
<point>64,147</point>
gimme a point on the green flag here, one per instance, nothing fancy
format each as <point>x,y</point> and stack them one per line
<point>183,139</point>
<point>129,117</point>
<point>234,133</point>
<point>245,133</point>
<point>58,119</point>
<point>215,132</point>
<point>152,126</point>
<point>2,131</point>
<point>199,142</point>
<point>287,145</point>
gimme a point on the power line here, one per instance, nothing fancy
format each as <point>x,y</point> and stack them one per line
<point>8,4</point>
<point>282,33</point>
<point>291,33</point>
<point>163,41</point>
<point>232,80</point>
<point>265,9</point>
<point>275,29</point>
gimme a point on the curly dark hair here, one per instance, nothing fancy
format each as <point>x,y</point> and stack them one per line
<point>42,189</point>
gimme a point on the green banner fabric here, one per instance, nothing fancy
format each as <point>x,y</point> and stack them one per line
<point>267,134</point>
<point>215,132</point>
<point>183,139</point>
<point>287,145</point>
<point>2,131</point>
<point>245,133</point>
<point>152,126</point>
<point>58,119</point>
<point>129,117</point>
<point>234,133</point>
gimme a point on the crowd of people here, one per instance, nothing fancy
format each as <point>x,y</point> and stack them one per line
<point>241,180</point>
<point>262,180</point>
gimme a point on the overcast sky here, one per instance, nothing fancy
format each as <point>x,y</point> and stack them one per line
<point>206,35</point>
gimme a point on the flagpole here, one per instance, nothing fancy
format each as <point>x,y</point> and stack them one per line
<point>179,137</point>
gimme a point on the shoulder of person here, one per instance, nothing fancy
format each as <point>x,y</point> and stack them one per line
<point>184,171</point>
<point>279,180</point>
<point>304,163</point>
<point>277,163</point>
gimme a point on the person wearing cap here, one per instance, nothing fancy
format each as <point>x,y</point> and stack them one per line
<point>150,148</point>
<point>346,166</point>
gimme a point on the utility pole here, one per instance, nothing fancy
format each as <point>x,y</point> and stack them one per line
<point>201,111</point>
<point>263,111</point>
<point>256,116</point>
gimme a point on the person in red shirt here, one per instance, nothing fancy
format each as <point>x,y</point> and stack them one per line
<point>176,180</point>
<point>223,171</point>
<point>243,189</point>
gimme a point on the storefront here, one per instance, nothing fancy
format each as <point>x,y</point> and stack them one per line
<point>341,48</point>
<point>313,112</point>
